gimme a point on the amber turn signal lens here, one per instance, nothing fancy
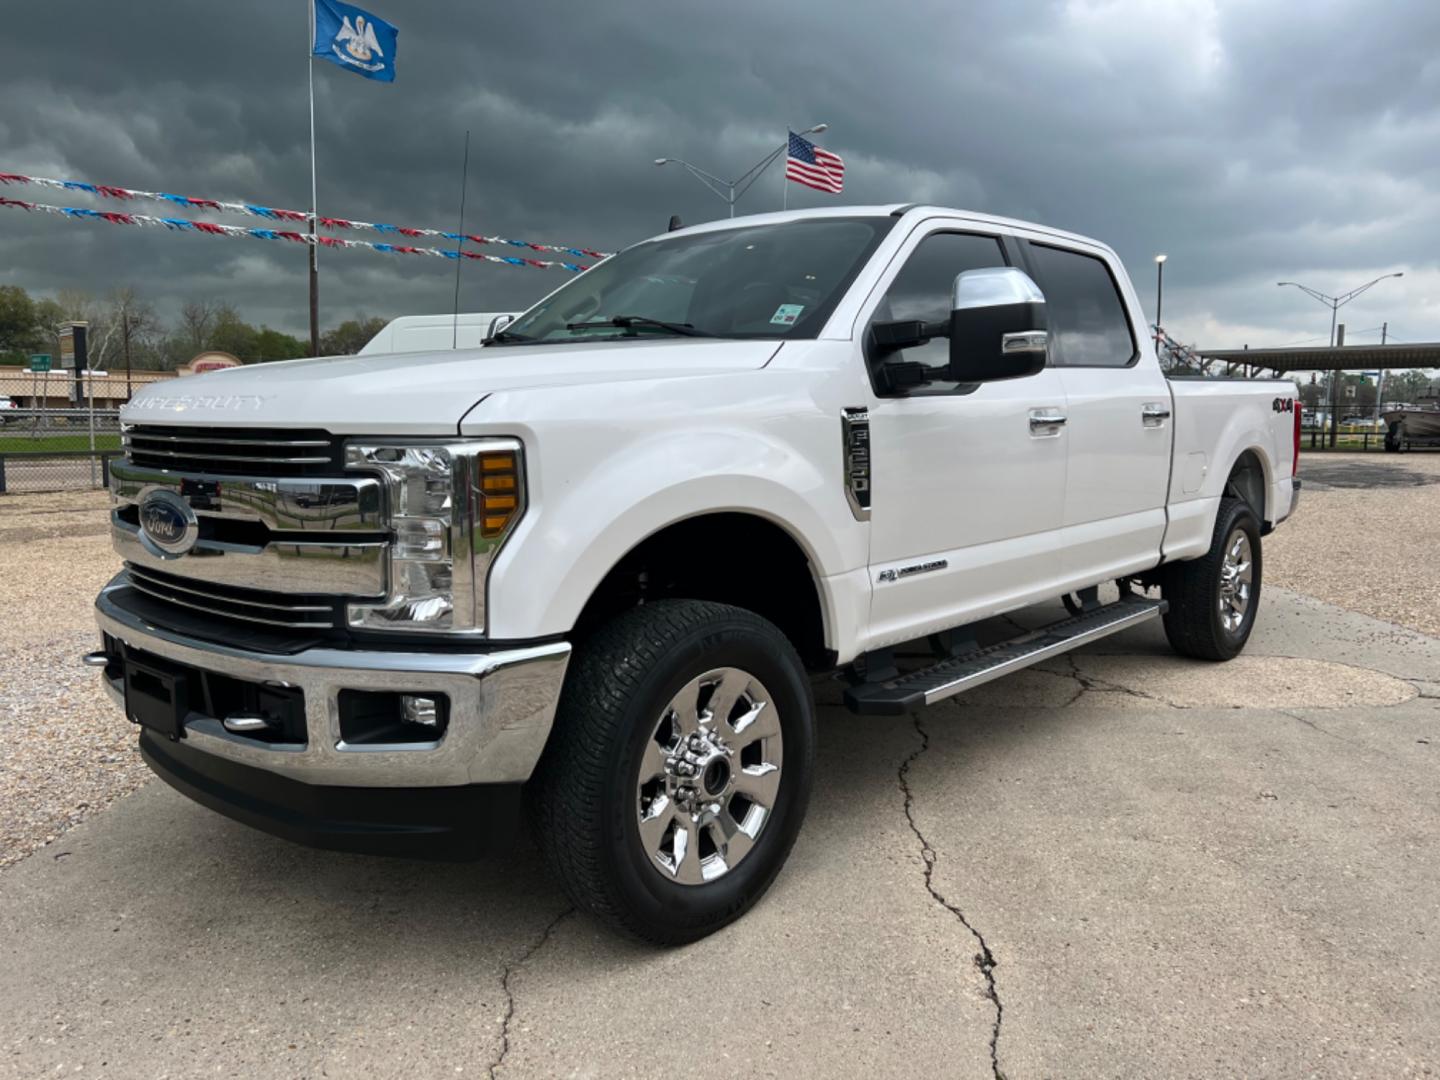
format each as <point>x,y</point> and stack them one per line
<point>498,497</point>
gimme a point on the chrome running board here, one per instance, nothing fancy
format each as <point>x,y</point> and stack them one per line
<point>950,677</point>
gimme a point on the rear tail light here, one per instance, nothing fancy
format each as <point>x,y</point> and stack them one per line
<point>1295,465</point>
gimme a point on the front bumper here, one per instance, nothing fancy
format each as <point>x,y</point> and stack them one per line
<point>501,705</point>
<point>452,823</point>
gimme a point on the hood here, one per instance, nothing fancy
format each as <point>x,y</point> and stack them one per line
<point>420,393</point>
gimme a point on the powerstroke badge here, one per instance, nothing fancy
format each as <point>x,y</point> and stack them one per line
<point>910,571</point>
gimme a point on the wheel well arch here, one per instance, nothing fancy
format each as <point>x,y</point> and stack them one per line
<point>731,557</point>
<point>1249,480</point>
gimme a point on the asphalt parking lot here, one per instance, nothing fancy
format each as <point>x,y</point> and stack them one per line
<point>1124,864</point>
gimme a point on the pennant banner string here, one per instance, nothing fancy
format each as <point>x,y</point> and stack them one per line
<point>334,224</point>
<point>188,225</point>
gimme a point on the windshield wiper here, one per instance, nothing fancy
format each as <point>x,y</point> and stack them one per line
<point>504,336</point>
<point>629,322</point>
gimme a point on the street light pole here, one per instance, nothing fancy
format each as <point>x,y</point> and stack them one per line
<point>1335,303</point>
<point>731,190</point>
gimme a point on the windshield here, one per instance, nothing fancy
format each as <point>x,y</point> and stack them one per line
<point>757,281</point>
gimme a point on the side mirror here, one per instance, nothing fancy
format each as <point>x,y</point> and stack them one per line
<point>998,328</point>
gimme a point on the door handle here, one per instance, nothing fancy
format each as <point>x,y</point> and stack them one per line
<point>1046,421</point>
<point>1153,414</point>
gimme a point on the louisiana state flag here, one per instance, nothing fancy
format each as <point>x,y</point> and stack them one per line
<point>354,39</point>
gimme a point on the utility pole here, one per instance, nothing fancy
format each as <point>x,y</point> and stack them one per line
<point>125,340</point>
<point>1380,376</point>
<point>1335,303</point>
<point>1335,391</point>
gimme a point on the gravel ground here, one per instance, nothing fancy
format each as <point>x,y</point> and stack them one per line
<point>1365,537</point>
<point>64,752</point>
<point>1363,540</point>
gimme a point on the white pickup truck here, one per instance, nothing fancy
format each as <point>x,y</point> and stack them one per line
<point>389,602</point>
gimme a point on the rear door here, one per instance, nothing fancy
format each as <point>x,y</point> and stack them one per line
<point>1119,425</point>
<point>967,488</point>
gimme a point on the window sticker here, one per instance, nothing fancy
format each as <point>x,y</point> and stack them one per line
<point>786,314</point>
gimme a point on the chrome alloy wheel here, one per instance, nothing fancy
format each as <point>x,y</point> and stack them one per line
<point>1236,575</point>
<point>709,776</point>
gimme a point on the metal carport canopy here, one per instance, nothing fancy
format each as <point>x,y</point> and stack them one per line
<point>1325,358</point>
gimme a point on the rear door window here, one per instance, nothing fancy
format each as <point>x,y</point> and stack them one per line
<point>1088,324</point>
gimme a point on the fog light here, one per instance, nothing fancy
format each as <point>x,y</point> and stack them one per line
<point>378,717</point>
<point>423,711</point>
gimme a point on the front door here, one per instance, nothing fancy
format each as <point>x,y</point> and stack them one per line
<point>968,483</point>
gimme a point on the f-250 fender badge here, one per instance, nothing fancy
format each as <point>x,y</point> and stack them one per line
<point>909,571</point>
<point>1284,404</point>
<point>855,447</point>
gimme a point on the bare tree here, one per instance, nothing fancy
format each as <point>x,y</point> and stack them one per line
<point>197,320</point>
<point>76,305</point>
<point>131,321</point>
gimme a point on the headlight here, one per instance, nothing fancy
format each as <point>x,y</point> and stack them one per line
<point>451,505</point>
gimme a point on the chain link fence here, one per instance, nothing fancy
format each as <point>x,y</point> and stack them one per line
<point>55,438</point>
<point>1323,427</point>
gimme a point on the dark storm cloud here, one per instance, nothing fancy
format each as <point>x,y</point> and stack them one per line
<point>1250,142</point>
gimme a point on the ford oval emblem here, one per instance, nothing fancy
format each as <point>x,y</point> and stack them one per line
<point>168,527</point>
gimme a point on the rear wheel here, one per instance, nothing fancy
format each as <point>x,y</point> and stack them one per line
<point>679,769</point>
<point>1213,599</point>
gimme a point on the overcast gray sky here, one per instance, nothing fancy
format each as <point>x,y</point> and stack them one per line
<point>1251,141</point>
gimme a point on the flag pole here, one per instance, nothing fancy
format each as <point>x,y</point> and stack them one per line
<point>460,244</point>
<point>314,214</point>
<point>785,180</point>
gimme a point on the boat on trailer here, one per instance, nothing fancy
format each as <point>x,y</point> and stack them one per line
<point>1408,426</point>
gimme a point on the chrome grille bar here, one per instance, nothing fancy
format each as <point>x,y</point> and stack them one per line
<point>152,437</point>
<point>147,452</point>
<point>273,610</point>
<point>230,449</point>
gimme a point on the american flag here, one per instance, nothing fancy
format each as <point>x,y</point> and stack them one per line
<point>808,164</point>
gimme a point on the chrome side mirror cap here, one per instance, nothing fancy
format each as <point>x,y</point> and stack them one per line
<point>998,326</point>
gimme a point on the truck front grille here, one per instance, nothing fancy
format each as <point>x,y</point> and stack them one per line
<point>233,451</point>
<point>291,611</point>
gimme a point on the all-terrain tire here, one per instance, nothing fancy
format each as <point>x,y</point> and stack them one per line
<point>583,796</point>
<point>1194,589</point>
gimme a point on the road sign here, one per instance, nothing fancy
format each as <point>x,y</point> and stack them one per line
<point>40,362</point>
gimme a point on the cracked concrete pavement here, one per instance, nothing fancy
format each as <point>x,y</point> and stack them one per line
<point>1119,864</point>
<point>1144,884</point>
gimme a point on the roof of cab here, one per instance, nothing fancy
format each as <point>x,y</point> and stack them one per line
<point>900,210</point>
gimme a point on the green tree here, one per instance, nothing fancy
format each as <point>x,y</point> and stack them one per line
<point>1408,386</point>
<point>276,345</point>
<point>48,317</point>
<point>17,323</point>
<point>232,334</point>
<point>350,336</point>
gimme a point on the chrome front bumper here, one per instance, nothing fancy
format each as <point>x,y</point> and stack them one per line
<point>502,704</point>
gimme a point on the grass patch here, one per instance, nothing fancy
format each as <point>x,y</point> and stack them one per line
<point>12,442</point>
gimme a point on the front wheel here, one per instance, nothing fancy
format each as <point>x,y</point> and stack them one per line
<point>679,769</point>
<point>1213,599</point>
